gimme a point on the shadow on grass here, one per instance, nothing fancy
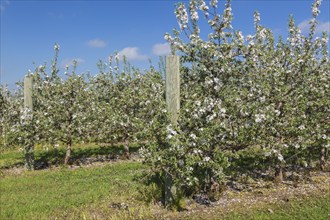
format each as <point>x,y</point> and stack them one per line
<point>82,156</point>
<point>79,156</point>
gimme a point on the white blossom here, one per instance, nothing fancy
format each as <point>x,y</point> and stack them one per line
<point>206,159</point>
<point>260,118</point>
<point>240,37</point>
<point>263,33</point>
<point>315,8</point>
<point>280,157</point>
<point>203,7</point>
<point>182,16</point>
<point>277,112</point>
<point>249,37</point>
<point>302,127</point>
<point>214,3</point>
<point>256,18</point>
<point>194,16</point>
<point>222,111</point>
<point>268,153</point>
<point>56,47</point>
<point>193,136</point>
<point>262,99</point>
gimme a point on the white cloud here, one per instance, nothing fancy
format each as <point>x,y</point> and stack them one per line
<point>321,27</point>
<point>96,43</point>
<point>304,26</point>
<point>161,49</point>
<point>69,62</point>
<point>131,53</point>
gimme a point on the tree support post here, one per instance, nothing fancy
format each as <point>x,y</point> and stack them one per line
<point>172,80</point>
<point>28,111</point>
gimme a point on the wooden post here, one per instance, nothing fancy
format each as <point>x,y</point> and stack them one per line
<point>173,106</point>
<point>5,126</point>
<point>28,92</point>
<point>28,104</point>
<point>173,87</point>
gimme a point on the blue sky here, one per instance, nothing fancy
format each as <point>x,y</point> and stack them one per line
<point>92,30</point>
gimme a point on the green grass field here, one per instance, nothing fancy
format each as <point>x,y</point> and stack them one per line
<point>111,191</point>
<point>38,194</point>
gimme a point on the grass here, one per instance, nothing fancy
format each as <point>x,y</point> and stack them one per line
<point>11,158</point>
<point>38,194</point>
<point>55,156</point>
<point>112,191</point>
<point>312,207</point>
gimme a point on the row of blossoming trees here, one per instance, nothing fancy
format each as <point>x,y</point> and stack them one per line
<point>247,103</point>
<point>110,107</point>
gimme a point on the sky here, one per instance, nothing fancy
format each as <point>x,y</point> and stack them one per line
<point>89,31</point>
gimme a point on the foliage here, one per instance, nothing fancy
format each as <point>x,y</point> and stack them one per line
<point>125,103</point>
<point>110,107</point>
<point>243,92</point>
<point>11,107</point>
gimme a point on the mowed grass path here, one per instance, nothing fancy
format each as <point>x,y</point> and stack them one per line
<point>89,192</point>
<point>39,194</point>
<point>97,192</point>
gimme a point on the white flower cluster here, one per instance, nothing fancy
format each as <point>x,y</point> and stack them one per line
<point>193,12</point>
<point>214,3</point>
<point>206,159</point>
<point>227,17</point>
<point>26,116</point>
<point>256,18</point>
<point>170,132</point>
<point>182,16</point>
<point>260,118</point>
<point>203,7</point>
<point>56,47</point>
<point>315,8</point>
